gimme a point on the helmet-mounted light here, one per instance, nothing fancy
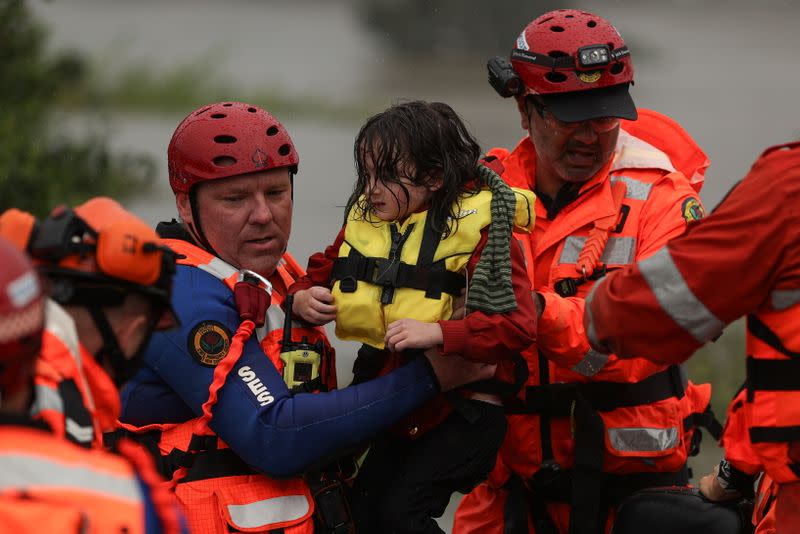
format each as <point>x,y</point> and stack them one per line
<point>593,56</point>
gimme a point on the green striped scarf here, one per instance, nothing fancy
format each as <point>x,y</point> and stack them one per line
<point>490,290</point>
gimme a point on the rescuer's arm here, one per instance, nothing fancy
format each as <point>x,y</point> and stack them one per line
<point>667,306</point>
<point>492,337</point>
<point>562,337</point>
<point>274,431</point>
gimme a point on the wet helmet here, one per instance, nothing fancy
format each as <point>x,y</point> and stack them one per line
<point>21,316</point>
<point>570,50</point>
<point>575,61</point>
<point>227,139</point>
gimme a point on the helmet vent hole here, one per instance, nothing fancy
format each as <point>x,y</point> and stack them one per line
<point>284,150</point>
<point>556,29</point>
<point>252,110</point>
<point>616,68</point>
<point>591,23</point>
<point>224,161</point>
<point>569,17</point>
<point>218,116</point>
<point>272,130</point>
<point>556,77</point>
<point>225,139</point>
<point>227,104</point>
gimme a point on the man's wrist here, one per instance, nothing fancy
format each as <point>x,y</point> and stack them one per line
<point>733,480</point>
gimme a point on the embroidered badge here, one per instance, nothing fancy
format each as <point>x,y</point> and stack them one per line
<point>692,210</point>
<point>589,77</point>
<point>209,342</point>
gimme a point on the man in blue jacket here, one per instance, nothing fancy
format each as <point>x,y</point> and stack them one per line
<point>227,393</point>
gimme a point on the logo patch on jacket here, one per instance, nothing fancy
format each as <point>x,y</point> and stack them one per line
<point>209,342</point>
<point>692,210</point>
<point>260,391</point>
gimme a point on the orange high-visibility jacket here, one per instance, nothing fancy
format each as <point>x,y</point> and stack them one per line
<point>655,194</point>
<point>744,259</point>
<point>50,485</point>
<point>73,394</point>
<point>645,407</point>
<point>217,489</point>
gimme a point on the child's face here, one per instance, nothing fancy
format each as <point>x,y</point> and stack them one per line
<point>388,199</point>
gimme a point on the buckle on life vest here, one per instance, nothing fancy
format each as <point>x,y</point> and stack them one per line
<point>567,287</point>
<point>348,284</point>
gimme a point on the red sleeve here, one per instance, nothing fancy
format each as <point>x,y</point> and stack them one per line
<point>725,266</point>
<point>493,337</point>
<point>320,267</point>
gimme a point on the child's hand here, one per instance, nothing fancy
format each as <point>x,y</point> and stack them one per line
<point>314,305</point>
<point>412,334</point>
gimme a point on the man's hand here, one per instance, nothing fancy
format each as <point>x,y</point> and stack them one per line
<point>454,371</point>
<point>412,334</point>
<point>459,306</point>
<point>714,488</point>
<point>314,305</point>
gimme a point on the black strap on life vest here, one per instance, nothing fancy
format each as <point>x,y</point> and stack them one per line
<point>74,410</point>
<point>773,375</point>
<point>557,400</point>
<point>568,287</point>
<point>391,273</point>
<point>758,329</point>
<point>585,486</point>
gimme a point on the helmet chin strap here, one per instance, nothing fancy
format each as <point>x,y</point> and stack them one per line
<point>195,227</point>
<point>123,368</point>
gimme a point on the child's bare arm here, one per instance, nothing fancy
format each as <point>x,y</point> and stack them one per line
<point>314,305</point>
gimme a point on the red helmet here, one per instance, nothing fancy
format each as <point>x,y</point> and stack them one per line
<point>21,315</point>
<point>575,62</point>
<point>570,50</point>
<point>227,139</point>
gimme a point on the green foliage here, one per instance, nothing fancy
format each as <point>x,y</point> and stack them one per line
<point>450,28</point>
<point>38,167</point>
<point>138,87</point>
<point>723,364</point>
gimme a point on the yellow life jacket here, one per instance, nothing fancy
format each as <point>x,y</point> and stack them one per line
<point>388,270</point>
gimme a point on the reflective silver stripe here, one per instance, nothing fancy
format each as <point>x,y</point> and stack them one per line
<point>19,471</point>
<point>82,434</point>
<point>269,511</point>
<point>637,190</point>
<point>218,268</point>
<point>572,249</point>
<point>785,298</point>
<point>643,439</point>
<point>676,299</point>
<point>275,318</point>
<point>618,251</point>
<point>591,363</point>
<point>46,398</point>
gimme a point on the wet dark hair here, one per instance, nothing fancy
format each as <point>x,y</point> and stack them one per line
<point>432,140</point>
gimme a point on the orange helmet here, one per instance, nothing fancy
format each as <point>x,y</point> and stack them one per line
<point>21,317</point>
<point>95,256</point>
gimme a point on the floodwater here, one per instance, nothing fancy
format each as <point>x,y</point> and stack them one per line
<point>727,71</point>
